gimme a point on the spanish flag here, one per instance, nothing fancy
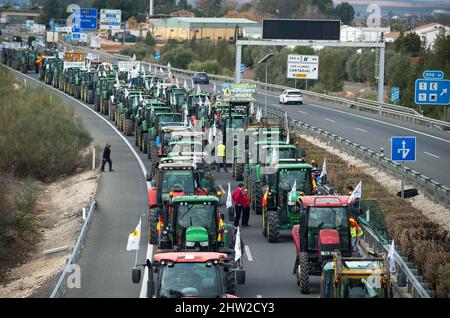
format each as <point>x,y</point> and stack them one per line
<point>160,224</point>
<point>266,195</point>
<point>220,236</point>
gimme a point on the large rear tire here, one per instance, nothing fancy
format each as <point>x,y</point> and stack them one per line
<point>145,142</point>
<point>90,96</point>
<point>239,171</point>
<point>153,220</point>
<point>273,224</point>
<point>128,127</point>
<point>258,198</point>
<point>303,273</point>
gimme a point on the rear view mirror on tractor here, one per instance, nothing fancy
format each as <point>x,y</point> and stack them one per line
<point>240,276</point>
<point>136,275</point>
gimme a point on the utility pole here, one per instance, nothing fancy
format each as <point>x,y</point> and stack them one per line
<point>264,59</point>
<point>150,11</point>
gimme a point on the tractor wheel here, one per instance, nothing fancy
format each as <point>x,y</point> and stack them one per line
<point>230,280</point>
<point>111,110</point>
<point>90,96</point>
<point>273,225</point>
<point>96,103</point>
<point>154,154</point>
<point>145,143</point>
<point>128,127</point>
<point>121,122</point>
<point>303,273</point>
<point>136,140</point>
<point>77,92</point>
<point>153,220</point>
<point>116,118</point>
<point>264,221</point>
<point>239,171</point>
<point>258,198</point>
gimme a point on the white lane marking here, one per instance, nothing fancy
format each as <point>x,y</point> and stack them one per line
<point>430,154</point>
<point>149,253</point>
<point>331,120</point>
<point>258,296</point>
<point>247,252</point>
<point>360,129</point>
<point>382,122</point>
<point>302,112</point>
<point>221,188</point>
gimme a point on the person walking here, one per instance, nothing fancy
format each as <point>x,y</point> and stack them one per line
<point>107,158</point>
<point>238,200</point>
<point>134,75</point>
<point>355,232</point>
<point>245,208</point>
<point>221,157</point>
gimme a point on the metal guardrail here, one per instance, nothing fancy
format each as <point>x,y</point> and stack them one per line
<point>415,283</point>
<point>58,291</point>
<point>381,109</point>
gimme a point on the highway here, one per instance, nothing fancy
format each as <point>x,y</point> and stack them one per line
<point>122,200</point>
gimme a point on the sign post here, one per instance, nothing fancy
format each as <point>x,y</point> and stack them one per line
<point>403,149</point>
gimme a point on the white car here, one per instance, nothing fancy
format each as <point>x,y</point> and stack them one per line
<point>291,96</point>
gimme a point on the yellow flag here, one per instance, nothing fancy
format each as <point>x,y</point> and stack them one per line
<point>134,238</point>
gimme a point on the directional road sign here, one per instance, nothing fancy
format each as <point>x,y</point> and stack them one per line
<point>403,148</point>
<point>110,19</point>
<point>85,19</point>
<point>303,66</point>
<point>395,94</point>
<point>432,89</point>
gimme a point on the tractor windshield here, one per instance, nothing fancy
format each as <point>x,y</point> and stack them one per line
<point>327,218</point>
<point>200,214</point>
<point>190,280</point>
<point>282,153</point>
<point>178,180</point>
<point>170,118</point>
<point>303,178</point>
<point>235,123</point>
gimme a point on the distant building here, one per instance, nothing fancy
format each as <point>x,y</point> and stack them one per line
<point>181,28</point>
<point>17,16</point>
<point>429,32</point>
<point>390,37</point>
<point>183,13</point>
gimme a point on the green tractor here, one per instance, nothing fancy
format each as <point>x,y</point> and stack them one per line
<point>195,223</point>
<point>279,211</point>
<point>104,88</point>
<point>88,79</point>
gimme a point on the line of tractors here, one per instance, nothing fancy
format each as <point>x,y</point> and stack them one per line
<point>197,252</point>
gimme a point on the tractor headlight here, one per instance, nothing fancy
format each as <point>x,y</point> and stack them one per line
<point>204,244</point>
<point>190,244</point>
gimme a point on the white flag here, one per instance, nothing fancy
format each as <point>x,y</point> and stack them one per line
<point>134,238</point>
<point>356,194</point>
<point>258,115</point>
<point>141,99</point>
<point>274,156</point>
<point>192,83</point>
<point>143,71</point>
<point>185,85</point>
<point>210,136</point>
<point>215,89</point>
<point>185,115</point>
<point>150,68</point>
<point>229,201</point>
<point>157,90</point>
<point>214,128</point>
<point>324,168</point>
<point>198,89</point>
<point>134,57</point>
<point>252,108</point>
<point>161,70</point>
<point>194,162</point>
<point>293,192</point>
<point>147,87</point>
<point>126,93</point>
<point>237,246</point>
<point>391,258</point>
<point>168,65</point>
<point>288,139</point>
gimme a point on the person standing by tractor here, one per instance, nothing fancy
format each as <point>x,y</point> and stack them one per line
<point>238,199</point>
<point>245,208</point>
<point>356,232</point>
<point>107,158</point>
<point>134,75</point>
<point>221,157</point>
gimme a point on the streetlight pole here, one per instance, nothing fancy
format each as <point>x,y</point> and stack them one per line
<point>264,59</point>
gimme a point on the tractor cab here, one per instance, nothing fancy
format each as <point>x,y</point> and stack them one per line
<point>323,228</point>
<point>183,145</point>
<point>194,101</point>
<point>278,203</point>
<point>188,275</point>
<point>350,277</point>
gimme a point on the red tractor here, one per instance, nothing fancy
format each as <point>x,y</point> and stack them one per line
<point>323,229</point>
<point>176,179</point>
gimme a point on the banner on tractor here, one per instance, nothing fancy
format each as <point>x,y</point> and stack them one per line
<point>127,66</point>
<point>73,65</point>
<point>239,92</point>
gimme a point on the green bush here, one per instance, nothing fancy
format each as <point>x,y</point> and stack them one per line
<point>210,67</point>
<point>39,137</point>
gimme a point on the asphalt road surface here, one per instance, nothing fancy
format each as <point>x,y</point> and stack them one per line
<point>122,200</point>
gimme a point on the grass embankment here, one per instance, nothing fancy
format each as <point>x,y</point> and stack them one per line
<point>424,242</point>
<point>40,140</point>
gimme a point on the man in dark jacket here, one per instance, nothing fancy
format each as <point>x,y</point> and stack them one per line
<point>107,158</point>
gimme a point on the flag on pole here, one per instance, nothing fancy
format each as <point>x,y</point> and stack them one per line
<point>229,201</point>
<point>258,115</point>
<point>161,70</point>
<point>194,162</point>
<point>215,89</point>
<point>288,139</point>
<point>185,85</point>
<point>208,103</point>
<point>356,194</point>
<point>274,156</point>
<point>168,64</point>
<point>147,87</point>
<point>391,258</point>
<point>198,89</point>
<point>134,57</point>
<point>141,99</point>
<point>324,169</point>
<point>134,238</point>
<point>214,129</point>
<point>126,93</point>
<point>150,68</point>
<point>293,193</point>
<point>237,246</point>
<point>252,108</point>
<point>185,115</point>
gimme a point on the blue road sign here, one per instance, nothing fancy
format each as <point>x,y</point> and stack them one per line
<point>242,68</point>
<point>403,148</point>
<point>85,19</point>
<point>433,74</point>
<point>432,92</point>
<point>395,94</point>
<point>52,25</point>
<point>157,55</point>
